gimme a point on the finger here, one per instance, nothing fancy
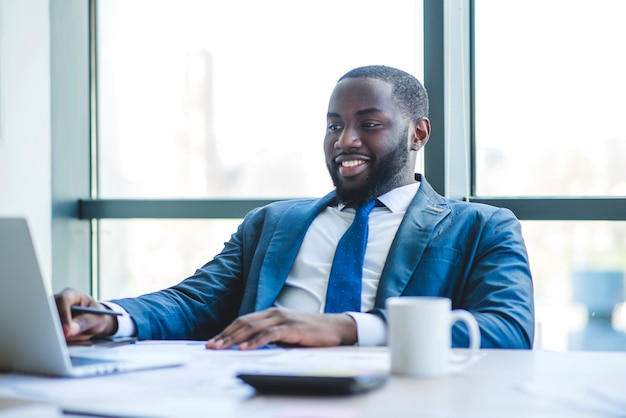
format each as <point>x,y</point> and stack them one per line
<point>245,340</point>
<point>256,334</point>
<point>236,335</point>
<point>82,326</point>
<point>72,331</point>
<point>64,301</point>
<point>237,324</point>
<point>243,329</point>
<point>77,330</point>
<point>92,325</point>
<point>278,333</point>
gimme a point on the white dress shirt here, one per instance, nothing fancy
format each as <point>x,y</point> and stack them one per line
<point>305,288</point>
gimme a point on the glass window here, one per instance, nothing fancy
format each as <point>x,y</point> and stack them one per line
<point>578,271</point>
<point>228,99</point>
<point>549,98</point>
<point>143,255</point>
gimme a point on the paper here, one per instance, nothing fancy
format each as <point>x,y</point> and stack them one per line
<point>206,383</point>
<point>326,361</point>
<point>16,408</point>
<point>598,398</point>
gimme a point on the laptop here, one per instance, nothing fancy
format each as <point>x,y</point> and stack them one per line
<point>31,337</point>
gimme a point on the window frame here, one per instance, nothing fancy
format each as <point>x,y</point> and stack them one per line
<point>449,155</point>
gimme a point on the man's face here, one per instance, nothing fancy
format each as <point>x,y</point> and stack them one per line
<point>368,141</point>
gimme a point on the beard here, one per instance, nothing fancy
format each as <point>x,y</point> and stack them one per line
<point>386,173</point>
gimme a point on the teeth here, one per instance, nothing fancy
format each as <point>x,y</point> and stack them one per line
<point>352,163</point>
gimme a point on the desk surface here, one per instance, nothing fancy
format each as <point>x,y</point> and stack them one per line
<point>503,383</point>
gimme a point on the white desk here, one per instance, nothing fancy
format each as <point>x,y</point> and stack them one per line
<point>504,383</point>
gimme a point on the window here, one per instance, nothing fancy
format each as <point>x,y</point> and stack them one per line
<point>204,99</point>
<point>199,99</point>
<point>578,271</point>
<point>549,98</point>
<point>548,105</point>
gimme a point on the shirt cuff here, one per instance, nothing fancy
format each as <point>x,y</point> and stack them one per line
<point>125,325</point>
<point>371,330</point>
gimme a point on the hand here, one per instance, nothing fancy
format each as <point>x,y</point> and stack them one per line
<point>84,326</point>
<point>286,326</point>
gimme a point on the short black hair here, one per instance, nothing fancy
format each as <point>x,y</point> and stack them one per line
<point>408,92</point>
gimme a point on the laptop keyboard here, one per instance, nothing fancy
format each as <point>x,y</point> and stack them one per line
<point>87,361</point>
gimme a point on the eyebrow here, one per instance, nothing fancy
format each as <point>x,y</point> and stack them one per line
<point>361,112</point>
<point>367,111</point>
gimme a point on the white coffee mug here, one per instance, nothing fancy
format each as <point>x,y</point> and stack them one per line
<point>420,336</point>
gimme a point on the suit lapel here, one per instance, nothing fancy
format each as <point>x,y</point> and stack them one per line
<point>284,246</point>
<point>424,213</point>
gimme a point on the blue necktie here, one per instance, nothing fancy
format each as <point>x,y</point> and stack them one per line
<point>344,283</point>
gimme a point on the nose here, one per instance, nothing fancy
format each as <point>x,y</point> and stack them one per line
<point>349,139</point>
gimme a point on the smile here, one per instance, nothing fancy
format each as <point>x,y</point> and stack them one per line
<point>352,163</point>
<point>352,166</point>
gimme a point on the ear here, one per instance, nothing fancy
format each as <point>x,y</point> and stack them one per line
<point>419,133</point>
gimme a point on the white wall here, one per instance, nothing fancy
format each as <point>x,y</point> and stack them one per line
<point>25,182</point>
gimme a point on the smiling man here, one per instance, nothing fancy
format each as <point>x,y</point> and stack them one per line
<point>275,281</point>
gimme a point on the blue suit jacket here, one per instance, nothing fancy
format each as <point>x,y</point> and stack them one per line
<point>472,253</point>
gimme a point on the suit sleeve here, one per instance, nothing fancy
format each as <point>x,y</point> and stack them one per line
<point>498,288</point>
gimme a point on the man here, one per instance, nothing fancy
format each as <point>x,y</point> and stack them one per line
<point>269,283</point>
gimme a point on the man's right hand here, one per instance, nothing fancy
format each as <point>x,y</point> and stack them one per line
<point>83,326</point>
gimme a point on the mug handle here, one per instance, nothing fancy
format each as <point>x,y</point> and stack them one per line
<point>474,336</point>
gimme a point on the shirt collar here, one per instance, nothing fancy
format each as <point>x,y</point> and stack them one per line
<point>398,199</point>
